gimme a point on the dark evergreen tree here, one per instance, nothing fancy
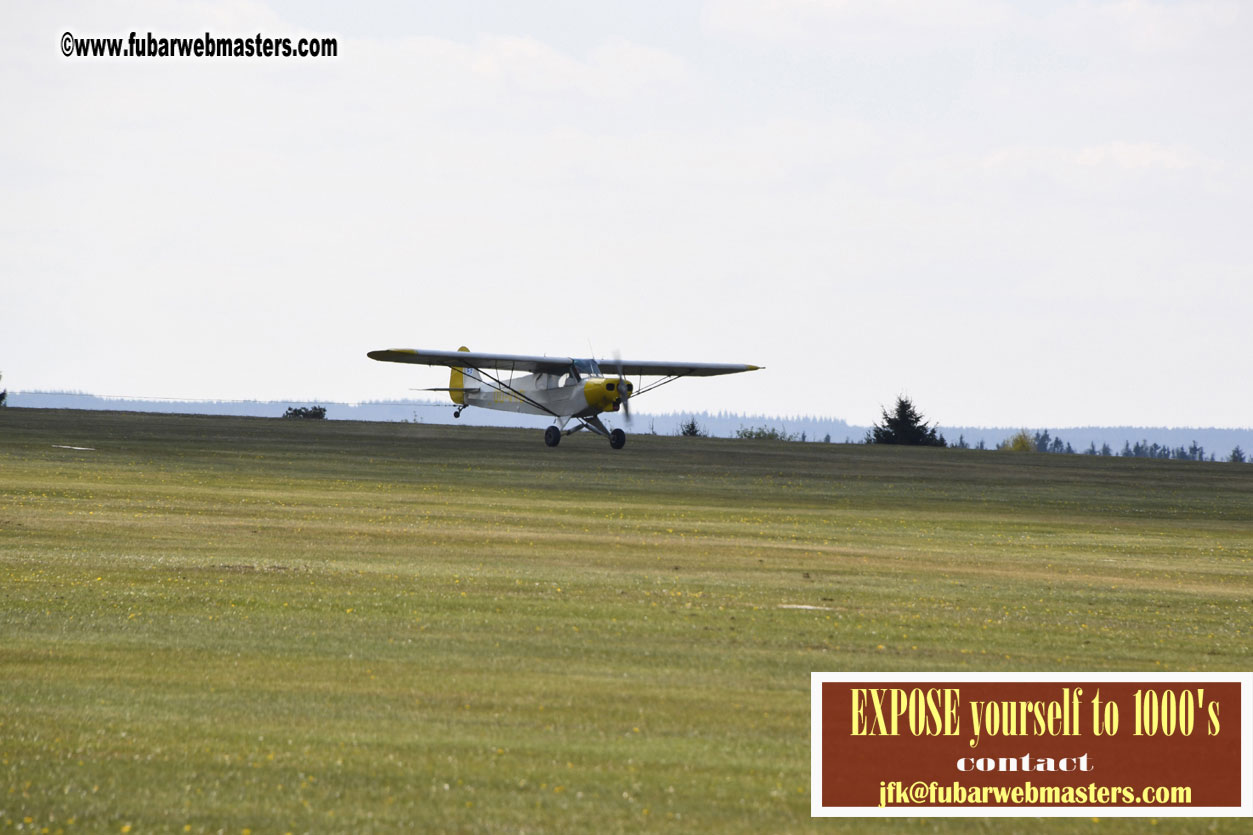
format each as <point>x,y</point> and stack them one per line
<point>691,429</point>
<point>1237,455</point>
<point>904,425</point>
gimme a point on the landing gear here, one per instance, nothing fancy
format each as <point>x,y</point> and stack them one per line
<point>457,411</point>
<point>617,438</point>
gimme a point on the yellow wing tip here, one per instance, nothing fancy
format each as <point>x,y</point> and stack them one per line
<point>386,355</point>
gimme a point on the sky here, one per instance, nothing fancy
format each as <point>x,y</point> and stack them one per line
<point>1017,214</point>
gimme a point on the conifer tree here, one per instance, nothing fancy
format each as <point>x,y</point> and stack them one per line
<point>904,425</point>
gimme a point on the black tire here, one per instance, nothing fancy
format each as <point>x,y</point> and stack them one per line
<point>552,436</point>
<point>617,439</point>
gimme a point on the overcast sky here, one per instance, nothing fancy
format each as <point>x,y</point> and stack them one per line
<point>1016,213</point>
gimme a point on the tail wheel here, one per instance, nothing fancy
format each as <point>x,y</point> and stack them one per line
<point>617,439</point>
<point>552,436</point>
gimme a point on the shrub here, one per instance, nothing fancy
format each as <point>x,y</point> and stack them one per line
<point>1023,441</point>
<point>763,433</point>
<point>306,413</point>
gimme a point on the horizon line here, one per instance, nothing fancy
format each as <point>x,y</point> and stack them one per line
<point>730,414</point>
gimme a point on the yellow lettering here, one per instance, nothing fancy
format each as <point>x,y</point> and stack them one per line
<point>859,712</point>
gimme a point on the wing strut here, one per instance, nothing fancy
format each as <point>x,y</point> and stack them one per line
<point>655,385</point>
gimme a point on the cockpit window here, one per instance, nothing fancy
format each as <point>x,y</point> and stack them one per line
<point>587,368</point>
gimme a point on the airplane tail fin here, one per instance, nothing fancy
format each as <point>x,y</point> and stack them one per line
<point>457,381</point>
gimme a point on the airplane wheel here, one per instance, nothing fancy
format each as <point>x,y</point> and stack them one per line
<point>552,436</point>
<point>617,439</point>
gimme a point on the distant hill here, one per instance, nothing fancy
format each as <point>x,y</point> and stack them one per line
<point>1218,441</point>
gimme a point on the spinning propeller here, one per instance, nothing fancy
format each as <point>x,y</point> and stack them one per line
<point>624,387</point>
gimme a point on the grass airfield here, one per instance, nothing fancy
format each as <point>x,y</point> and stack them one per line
<point>229,624</point>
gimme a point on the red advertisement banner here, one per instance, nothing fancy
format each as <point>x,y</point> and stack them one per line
<point>1062,744</point>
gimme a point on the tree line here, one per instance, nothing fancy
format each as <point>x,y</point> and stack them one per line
<point>905,425</point>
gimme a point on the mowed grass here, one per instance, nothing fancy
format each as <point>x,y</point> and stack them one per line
<point>221,624</point>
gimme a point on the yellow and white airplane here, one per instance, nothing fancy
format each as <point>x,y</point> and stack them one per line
<point>563,388</point>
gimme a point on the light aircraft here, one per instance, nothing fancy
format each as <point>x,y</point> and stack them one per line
<point>563,388</point>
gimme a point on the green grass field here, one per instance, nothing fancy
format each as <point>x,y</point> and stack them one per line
<point>217,624</point>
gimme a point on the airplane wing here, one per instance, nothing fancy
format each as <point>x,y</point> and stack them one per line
<point>646,368</point>
<point>557,365</point>
<point>475,359</point>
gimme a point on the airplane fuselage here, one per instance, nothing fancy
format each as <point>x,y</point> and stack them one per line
<point>566,395</point>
